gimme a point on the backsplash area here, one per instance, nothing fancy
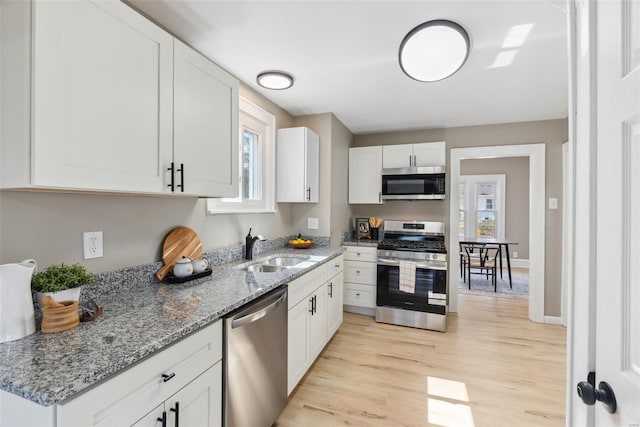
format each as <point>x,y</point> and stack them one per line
<point>112,281</point>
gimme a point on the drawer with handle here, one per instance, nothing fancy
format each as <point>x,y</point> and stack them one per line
<point>360,253</point>
<point>335,266</point>
<point>360,272</point>
<point>360,295</point>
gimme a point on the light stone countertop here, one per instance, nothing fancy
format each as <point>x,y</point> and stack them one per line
<point>137,321</point>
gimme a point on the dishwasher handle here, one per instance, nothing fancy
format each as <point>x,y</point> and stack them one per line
<point>259,314</point>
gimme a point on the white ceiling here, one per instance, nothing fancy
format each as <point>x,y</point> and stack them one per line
<point>344,57</point>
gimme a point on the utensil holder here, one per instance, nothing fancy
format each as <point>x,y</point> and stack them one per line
<point>58,319</point>
<point>374,233</point>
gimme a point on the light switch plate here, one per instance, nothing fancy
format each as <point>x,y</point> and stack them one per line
<point>553,203</point>
<point>312,223</point>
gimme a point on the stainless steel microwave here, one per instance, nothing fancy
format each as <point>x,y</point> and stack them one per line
<point>414,183</point>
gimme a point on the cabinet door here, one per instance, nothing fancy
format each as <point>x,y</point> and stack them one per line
<point>298,166</point>
<point>317,324</point>
<point>102,97</point>
<point>430,154</point>
<point>365,175</point>
<point>312,170</point>
<point>334,304</point>
<point>199,404</point>
<point>297,352</point>
<point>152,419</point>
<point>205,125</point>
<point>397,156</point>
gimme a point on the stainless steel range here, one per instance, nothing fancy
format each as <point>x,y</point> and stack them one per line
<point>412,275</point>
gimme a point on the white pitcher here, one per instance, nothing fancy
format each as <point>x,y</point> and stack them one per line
<point>16,304</point>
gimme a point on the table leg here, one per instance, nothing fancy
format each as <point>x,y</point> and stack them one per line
<point>500,259</point>
<point>508,265</point>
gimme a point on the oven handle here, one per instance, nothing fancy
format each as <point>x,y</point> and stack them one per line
<point>395,262</point>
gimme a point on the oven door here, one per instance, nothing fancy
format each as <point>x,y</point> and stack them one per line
<point>430,291</point>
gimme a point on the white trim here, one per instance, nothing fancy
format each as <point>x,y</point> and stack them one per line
<point>553,320</point>
<point>267,204</point>
<point>519,263</point>
<point>537,211</point>
<point>568,185</point>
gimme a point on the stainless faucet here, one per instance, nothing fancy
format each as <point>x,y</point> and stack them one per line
<point>249,242</point>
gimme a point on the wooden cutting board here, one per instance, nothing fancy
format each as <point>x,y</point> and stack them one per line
<point>180,242</point>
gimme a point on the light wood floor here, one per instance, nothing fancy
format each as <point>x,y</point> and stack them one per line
<point>493,367</point>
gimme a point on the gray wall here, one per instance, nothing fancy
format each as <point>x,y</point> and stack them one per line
<point>552,132</point>
<point>48,226</point>
<point>516,171</point>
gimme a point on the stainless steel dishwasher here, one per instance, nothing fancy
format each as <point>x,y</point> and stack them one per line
<point>255,362</point>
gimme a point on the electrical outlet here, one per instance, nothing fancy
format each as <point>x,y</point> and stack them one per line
<point>515,254</point>
<point>92,244</point>
<point>312,223</point>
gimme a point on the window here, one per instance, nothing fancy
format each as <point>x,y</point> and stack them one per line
<point>256,188</point>
<point>482,206</point>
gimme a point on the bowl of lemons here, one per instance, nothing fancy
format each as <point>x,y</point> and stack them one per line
<point>300,243</point>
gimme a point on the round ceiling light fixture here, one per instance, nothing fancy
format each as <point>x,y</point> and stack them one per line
<point>276,80</point>
<point>434,50</point>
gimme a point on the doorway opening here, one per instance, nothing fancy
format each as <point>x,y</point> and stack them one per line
<point>536,227</point>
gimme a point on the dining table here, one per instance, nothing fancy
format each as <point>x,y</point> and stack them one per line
<point>492,241</point>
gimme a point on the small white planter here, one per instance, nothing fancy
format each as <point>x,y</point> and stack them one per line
<point>72,294</point>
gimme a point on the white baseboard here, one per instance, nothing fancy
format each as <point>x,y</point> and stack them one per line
<point>517,263</point>
<point>553,320</point>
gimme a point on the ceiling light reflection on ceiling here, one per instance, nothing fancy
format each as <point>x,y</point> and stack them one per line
<point>434,50</point>
<point>275,80</point>
<point>517,35</point>
<point>504,59</point>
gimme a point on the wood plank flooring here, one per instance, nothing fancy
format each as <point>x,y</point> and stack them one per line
<point>493,367</point>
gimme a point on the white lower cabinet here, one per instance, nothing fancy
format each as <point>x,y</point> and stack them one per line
<point>315,314</point>
<point>184,381</point>
<point>197,404</point>
<point>360,277</point>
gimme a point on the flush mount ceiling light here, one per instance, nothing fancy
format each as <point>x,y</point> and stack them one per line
<point>434,50</point>
<point>276,80</point>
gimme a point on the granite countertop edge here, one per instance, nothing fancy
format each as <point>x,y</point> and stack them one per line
<point>25,371</point>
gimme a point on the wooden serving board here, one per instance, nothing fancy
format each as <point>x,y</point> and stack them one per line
<point>180,242</point>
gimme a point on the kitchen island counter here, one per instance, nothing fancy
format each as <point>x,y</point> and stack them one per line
<point>138,320</point>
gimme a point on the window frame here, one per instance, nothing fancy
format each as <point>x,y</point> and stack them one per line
<point>260,121</point>
<point>470,183</point>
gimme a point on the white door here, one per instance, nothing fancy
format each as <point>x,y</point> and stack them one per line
<point>618,209</point>
<point>365,175</point>
<point>312,169</point>
<point>334,305</point>
<point>198,404</point>
<point>297,353</point>
<point>317,323</point>
<point>397,156</point>
<point>429,154</point>
<point>205,115</point>
<point>100,123</point>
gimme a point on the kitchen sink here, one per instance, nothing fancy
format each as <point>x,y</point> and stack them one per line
<point>287,261</point>
<point>265,268</point>
<point>274,263</point>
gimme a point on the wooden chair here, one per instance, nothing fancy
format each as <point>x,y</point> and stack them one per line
<point>471,254</point>
<point>484,260</point>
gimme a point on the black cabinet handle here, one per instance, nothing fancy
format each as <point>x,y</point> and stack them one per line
<point>177,411</point>
<point>172,185</point>
<point>331,290</point>
<point>308,194</point>
<point>163,420</point>
<point>167,377</point>
<point>311,309</point>
<point>181,170</point>
<point>315,309</point>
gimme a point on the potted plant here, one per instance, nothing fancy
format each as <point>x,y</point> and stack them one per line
<point>61,282</point>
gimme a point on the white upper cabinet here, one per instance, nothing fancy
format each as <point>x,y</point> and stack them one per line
<point>88,97</point>
<point>413,155</point>
<point>298,165</point>
<point>365,175</point>
<point>205,126</point>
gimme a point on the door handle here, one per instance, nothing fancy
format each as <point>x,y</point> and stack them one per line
<point>604,393</point>
<point>181,170</point>
<point>308,194</point>
<point>257,315</point>
<point>173,182</point>
<point>331,290</point>
<point>163,419</point>
<point>177,411</point>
